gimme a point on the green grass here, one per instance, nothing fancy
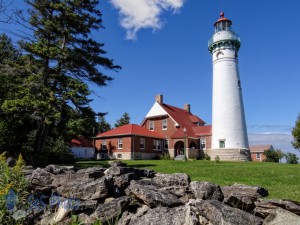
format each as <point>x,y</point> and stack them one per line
<point>281,180</point>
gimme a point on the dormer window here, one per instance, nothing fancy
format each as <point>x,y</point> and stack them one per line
<point>151,125</point>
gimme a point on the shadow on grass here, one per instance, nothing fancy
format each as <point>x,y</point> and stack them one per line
<point>141,165</point>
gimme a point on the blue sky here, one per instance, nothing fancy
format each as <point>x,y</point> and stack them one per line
<point>162,48</point>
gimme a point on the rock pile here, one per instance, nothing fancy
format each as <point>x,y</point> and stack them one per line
<point>129,196</point>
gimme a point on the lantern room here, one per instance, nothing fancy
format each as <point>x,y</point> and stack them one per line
<point>222,23</point>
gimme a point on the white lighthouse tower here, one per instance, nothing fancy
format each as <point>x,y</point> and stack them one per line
<point>229,133</point>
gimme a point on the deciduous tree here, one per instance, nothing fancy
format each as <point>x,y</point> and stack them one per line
<point>291,158</point>
<point>296,134</point>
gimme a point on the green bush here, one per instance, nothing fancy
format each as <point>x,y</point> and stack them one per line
<point>206,156</point>
<point>59,152</point>
<point>13,183</point>
<point>165,156</point>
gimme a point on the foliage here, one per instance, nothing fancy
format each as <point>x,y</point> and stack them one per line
<point>165,156</point>
<point>284,184</point>
<point>103,125</point>
<point>291,158</point>
<point>59,152</point>
<point>271,156</point>
<point>124,120</point>
<point>44,91</point>
<point>217,159</point>
<point>280,154</point>
<point>11,180</point>
<point>296,134</point>
<point>206,156</point>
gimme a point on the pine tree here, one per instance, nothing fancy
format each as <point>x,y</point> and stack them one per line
<point>60,60</point>
<point>103,125</point>
<point>124,120</point>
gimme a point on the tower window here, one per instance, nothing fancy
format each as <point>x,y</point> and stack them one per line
<point>222,144</point>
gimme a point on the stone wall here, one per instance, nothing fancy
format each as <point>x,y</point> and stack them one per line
<point>128,196</point>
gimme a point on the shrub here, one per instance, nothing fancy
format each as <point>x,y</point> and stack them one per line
<point>291,158</point>
<point>13,190</point>
<point>165,156</point>
<point>59,152</point>
<point>206,156</point>
<point>217,159</point>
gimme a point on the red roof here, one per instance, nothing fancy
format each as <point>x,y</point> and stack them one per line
<point>260,148</point>
<point>222,18</point>
<point>81,141</point>
<point>202,130</point>
<point>131,129</point>
<point>184,118</point>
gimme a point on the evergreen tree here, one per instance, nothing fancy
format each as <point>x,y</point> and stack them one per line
<point>296,134</point>
<point>59,61</point>
<point>103,125</point>
<point>124,120</point>
<point>11,139</point>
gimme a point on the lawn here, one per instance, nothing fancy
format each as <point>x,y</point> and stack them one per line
<point>281,180</point>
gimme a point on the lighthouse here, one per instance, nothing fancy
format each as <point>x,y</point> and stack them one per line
<point>229,132</point>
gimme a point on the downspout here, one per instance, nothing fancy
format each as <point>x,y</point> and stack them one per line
<point>133,146</point>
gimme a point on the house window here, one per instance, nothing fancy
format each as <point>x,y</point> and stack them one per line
<point>222,144</point>
<point>166,144</point>
<point>203,144</point>
<point>120,143</point>
<point>104,145</point>
<point>156,145</point>
<point>85,152</point>
<point>258,155</point>
<point>119,156</point>
<point>142,143</point>
<point>164,124</point>
<point>151,125</point>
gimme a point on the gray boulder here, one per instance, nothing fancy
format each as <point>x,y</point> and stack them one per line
<point>55,169</point>
<point>92,172</point>
<point>253,191</point>
<point>182,215</point>
<point>266,206</point>
<point>111,210</point>
<point>243,202</point>
<point>87,188</point>
<point>176,179</point>
<point>206,190</point>
<point>117,163</point>
<point>151,196</point>
<point>281,216</point>
<point>220,214</point>
<point>41,180</point>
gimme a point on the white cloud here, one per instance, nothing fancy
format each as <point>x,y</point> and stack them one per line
<point>139,14</point>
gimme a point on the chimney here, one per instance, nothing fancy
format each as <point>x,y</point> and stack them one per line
<point>187,108</point>
<point>159,98</point>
